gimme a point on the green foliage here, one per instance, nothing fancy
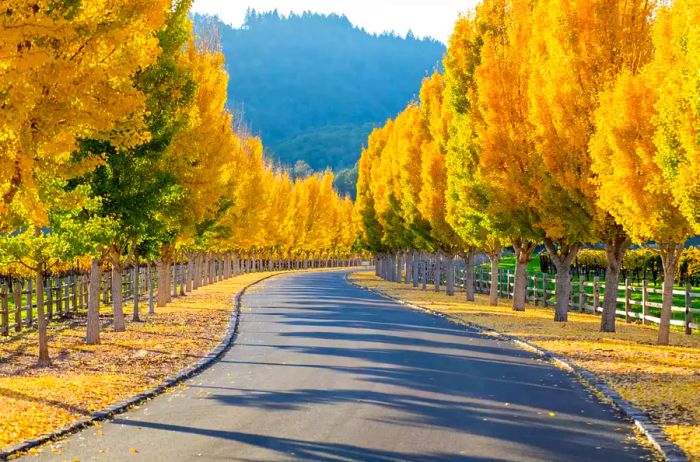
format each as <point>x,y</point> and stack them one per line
<point>73,230</point>
<point>333,146</point>
<point>346,182</point>
<point>139,194</point>
<point>314,85</point>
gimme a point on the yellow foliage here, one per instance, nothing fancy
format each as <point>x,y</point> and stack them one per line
<point>66,74</point>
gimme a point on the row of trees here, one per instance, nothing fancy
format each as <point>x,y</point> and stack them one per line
<point>115,144</point>
<point>563,123</point>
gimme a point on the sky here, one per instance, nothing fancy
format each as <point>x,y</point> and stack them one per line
<point>432,18</point>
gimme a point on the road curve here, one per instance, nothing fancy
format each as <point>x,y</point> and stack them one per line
<point>324,371</point>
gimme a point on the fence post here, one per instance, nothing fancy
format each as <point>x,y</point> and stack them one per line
<point>535,294</point>
<point>511,288</point>
<point>30,304</point>
<point>104,282</point>
<point>688,313</point>
<point>59,295</point>
<point>628,295</point>
<point>581,295</point>
<point>5,311</point>
<point>49,297</point>
<point>66,291</point>
<point>174,281</point>
<point>83,291</point>
<point>545,296</point>
<point>17,294</point>
<point>74,296</point>
<point>645,300</point>
<point>499,286</point>
<point>596,294</point>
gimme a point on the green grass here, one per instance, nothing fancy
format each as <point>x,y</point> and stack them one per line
<point>508,263</point>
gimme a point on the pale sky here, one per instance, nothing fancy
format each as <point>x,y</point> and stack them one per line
<point>434,18</point>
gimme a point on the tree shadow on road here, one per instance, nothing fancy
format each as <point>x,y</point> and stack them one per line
<point>434,374</point>
<point>297,449</point>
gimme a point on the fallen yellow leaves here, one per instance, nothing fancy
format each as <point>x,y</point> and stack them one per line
<point>662,381</point>
<point>86,378</point>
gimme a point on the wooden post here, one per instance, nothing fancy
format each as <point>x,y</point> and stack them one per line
<point>511,286</point>
<point>105,287</point>
<point>66,291</point>
<point>688,313</point>
<point>74,295</point>
<point>581,295</point>
<point>49,297</point>
<point>5,321</point>
<point>183,271</point>
<point>174,288</point>
<point>645,300</point>
<point>84,292</point>
<point>30,304</point>
<point>498,283</point>
<point>17,294</point>
<point>596,294</point>
<point>628,296</point>
<point>535,290</point>
<point>149,279</point>
<point>59,295</point>
<point>545,295</point>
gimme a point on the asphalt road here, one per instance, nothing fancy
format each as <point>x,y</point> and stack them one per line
<point>325,371</point>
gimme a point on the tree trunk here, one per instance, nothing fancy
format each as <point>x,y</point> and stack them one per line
<point>398,267</point>
<point>183,275</point>
<point>195,271</point>
<point>408,265</point>
<point>614,252</point>
<point>437,272</point>
<point>469,274</point>
<point>495,258</point>
<point>523,255</point>
<point>137,293</point>
<point>670,254</point>
<point>93,313</point>
<point>188,279</point>
<point>424,273</point>
<point>117,308</point>
<point>44,359</point>
<point>163,280</point>
<point>562,258</point>
<point>414,267</point>
<point>450,275</point>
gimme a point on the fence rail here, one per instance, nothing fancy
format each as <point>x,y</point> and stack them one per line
<point>634,302</point>
<point>66,295</point>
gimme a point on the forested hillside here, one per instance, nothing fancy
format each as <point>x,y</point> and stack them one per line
<point>314,86</point>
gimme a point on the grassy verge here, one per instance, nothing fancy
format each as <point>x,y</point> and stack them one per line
<point>508,263</point>
<point>84,379</point>
<point>663,381</point>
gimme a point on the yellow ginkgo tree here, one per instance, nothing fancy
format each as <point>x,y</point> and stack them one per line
<point>578,47</point>
<point>631,147</point>
<point>67,73</point>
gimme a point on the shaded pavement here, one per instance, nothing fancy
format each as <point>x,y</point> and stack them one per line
<point>325,371</point>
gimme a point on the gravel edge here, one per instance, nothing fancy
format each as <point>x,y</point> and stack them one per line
<point>123,406</point>
<point>654,434</point>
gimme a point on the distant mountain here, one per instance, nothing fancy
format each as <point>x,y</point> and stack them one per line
<point>314,86</point>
